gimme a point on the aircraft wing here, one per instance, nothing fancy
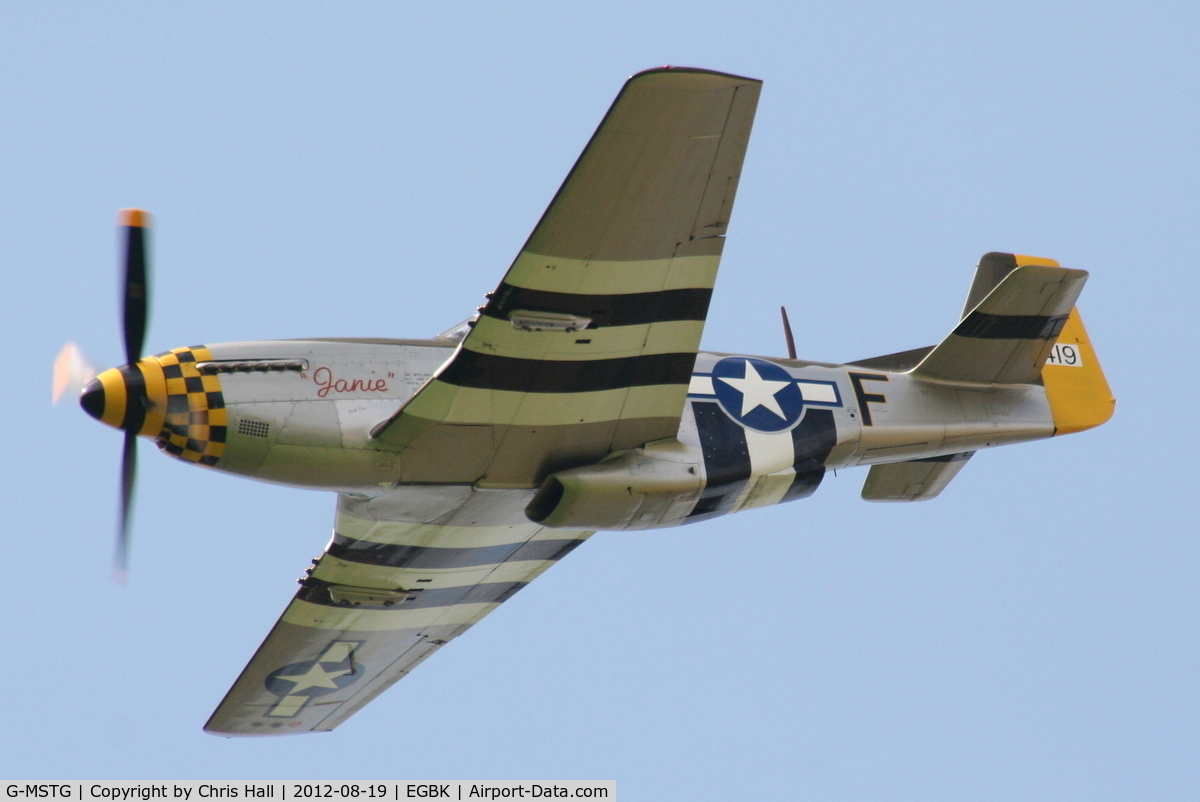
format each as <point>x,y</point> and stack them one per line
<point>385,595</point>
<point>587,345</point>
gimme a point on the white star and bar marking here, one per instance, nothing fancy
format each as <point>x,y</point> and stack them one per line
<point>315,677</point>
<point>756,391</point>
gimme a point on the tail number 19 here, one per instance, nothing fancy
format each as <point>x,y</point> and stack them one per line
<point>1066,355</point>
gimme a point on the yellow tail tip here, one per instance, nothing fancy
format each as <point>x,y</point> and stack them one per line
<point>1078,393</point>
<point>1023,260</point>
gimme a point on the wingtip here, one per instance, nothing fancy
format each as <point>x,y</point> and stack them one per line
<point>672,68</point>
<point>274,729</point>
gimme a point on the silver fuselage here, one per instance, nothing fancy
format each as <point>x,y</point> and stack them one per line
<point>313,427</point>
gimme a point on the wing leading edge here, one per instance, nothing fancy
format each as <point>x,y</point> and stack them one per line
<point>588,343</point>
<point>385,595</point>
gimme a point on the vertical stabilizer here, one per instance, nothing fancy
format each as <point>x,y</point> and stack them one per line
<point>993,268</point>
<point>1078,393</point>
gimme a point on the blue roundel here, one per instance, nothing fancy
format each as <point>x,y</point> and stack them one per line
<point>757,394</point>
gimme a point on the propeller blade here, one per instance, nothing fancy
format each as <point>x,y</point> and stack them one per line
<point>72,371</point>
<point>787,332</point>
<point>128,476</point>
<point>135,289</point>
<point>135,296</point>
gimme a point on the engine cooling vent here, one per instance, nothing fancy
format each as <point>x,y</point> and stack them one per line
<point>254,428</point>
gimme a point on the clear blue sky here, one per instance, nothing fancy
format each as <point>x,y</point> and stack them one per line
<point>371,169</point>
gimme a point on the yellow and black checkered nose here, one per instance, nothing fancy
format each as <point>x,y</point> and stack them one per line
<point>167,397</point>
<point>132,398</point>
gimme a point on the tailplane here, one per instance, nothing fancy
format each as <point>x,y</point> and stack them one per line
<point>1020,326</point>
<point>1006,335</point>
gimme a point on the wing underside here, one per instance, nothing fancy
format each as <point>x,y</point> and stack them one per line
<point>383,596</point>
<point>588,343</point>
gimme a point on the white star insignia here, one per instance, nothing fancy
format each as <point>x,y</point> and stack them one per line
<point>757,391</point>
<point>315,677</point>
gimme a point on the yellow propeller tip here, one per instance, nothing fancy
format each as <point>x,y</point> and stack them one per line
<point>135,218</point>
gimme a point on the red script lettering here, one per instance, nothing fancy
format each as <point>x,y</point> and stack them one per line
<point>327,383</point>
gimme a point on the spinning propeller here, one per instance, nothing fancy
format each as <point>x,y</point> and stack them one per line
<point>118,396</point>
<point>134,294</point>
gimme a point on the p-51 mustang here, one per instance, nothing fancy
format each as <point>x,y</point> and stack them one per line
<point>576,400</point>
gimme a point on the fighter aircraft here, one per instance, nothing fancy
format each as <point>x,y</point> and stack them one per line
<point>575,400</point>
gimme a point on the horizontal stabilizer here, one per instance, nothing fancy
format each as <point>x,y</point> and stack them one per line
<point>914,480</point>
<point>1007,337</point>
